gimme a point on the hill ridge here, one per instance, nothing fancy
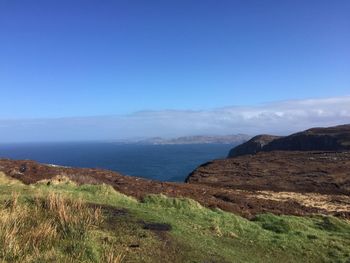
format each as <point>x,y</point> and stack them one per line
<point>335,138</point>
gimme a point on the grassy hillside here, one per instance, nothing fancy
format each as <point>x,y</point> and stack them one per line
<point>58,221</point>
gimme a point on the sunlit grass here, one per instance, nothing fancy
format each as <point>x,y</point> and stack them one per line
<point>64,211</point>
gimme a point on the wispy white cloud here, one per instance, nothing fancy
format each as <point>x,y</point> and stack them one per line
<point>276,118</point>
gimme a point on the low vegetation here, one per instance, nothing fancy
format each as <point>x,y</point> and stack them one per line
<point>51,229</point>
<point>58,221</point>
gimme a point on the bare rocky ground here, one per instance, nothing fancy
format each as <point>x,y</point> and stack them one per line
<point>277,182</point>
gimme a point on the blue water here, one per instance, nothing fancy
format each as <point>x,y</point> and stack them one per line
<point>160,162</point>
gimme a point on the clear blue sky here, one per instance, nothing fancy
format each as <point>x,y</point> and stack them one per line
<point>85,58</point>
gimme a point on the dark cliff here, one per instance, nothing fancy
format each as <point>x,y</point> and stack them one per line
<point>254,145</point>
<point>316,139</point>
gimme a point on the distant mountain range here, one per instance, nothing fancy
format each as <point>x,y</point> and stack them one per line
<point>198,139</point>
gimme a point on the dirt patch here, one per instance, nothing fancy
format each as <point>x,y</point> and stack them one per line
<point>160,230</point>
<point>111,211</point>
<point>157,226</point>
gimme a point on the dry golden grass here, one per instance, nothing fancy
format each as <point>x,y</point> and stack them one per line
<point>6,180</point>
<point>27,231</point>
<point>72,216</point>
<point>111,257</point>
<point>330,203</point>
<point>57,180</point>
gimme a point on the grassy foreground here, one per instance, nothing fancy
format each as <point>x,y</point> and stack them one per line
<point>62,222</point>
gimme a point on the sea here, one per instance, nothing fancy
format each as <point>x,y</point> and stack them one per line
<point>159,162</point>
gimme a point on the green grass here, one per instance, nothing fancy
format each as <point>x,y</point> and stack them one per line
<point>198,234</point>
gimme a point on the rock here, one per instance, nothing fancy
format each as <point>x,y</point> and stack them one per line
<point>23,168</point>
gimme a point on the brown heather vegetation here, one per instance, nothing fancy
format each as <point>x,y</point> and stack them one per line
<point>224,193</point>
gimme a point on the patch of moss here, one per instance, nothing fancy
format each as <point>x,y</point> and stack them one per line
<point>273,223</point>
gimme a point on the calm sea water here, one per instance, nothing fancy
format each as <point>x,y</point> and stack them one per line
<point>160,162</point>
